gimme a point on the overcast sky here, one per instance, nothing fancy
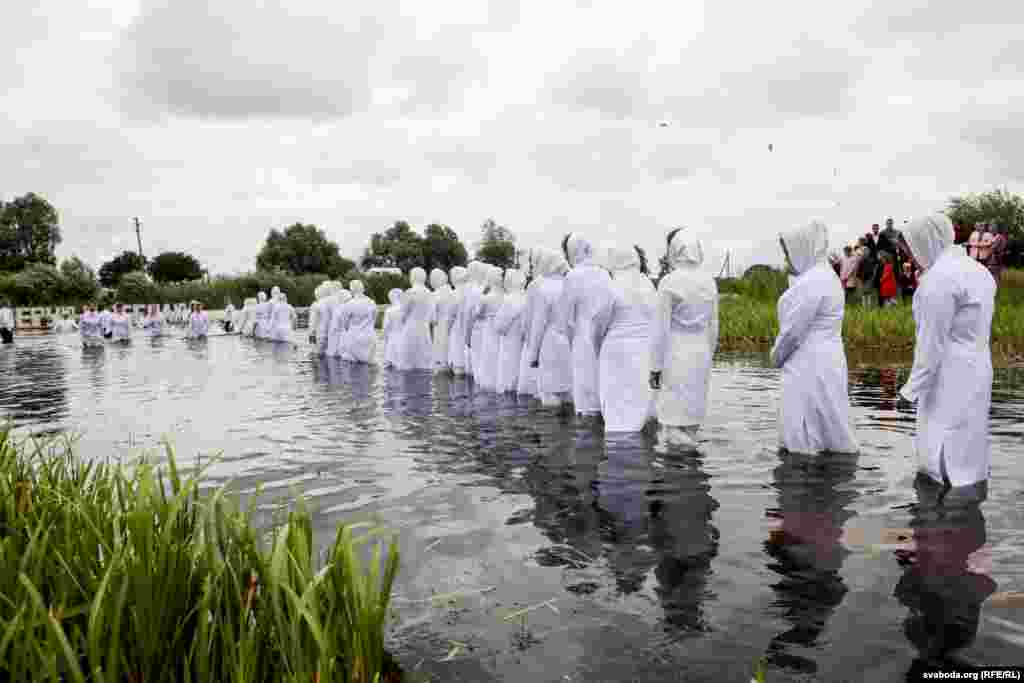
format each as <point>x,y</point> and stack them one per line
<point>216,121</point>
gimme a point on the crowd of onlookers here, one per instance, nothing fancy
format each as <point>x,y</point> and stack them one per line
<point>877,270</point>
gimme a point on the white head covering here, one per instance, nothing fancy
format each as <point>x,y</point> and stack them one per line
<point>356,287</point>
<point>275,293</point>
<point>344,296</point>
<point>458,275</point>
<point>395,296</point>
<point>260,297</point>
<point>438,279</point>
<point>515,281</point>
<point>807,246</point>
<point>684,250</point>
<point>928,237</point>
<point>418,276</point>
<point>578,249</point>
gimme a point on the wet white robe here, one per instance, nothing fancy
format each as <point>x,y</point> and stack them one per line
<point>392,334</point>
<point>153,326</point>
<point>105,317</point>
<point>508,324</point>
<point>120,327</point>
<point>415,349</point>
<point>323,324</point>
<point>490,342</point>
<point>815,411</point>
<point>91,329</point>
<point>198,325</point>
<point>473,334</point>
<point>547,340</point>
<point>585,285</point>
<point>622,337</point>
<point>263,315</point>
<point>951,379</point>
<point>457,331</point>
<point>337,330</point>
<point>360,315</point>
<point>684,336</point>
<point>444,309</point>
<point>526,383</point>
<point>281,323</point>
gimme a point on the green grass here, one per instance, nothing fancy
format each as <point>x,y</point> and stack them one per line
<point>115,573</point>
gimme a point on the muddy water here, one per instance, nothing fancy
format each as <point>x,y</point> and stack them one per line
<point>533,549</point>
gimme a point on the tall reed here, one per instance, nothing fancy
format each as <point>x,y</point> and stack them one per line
<point>114,574</point>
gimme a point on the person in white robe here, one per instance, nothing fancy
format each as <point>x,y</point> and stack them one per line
<point>444,297</point>
<point>90,328</point>
<point>153,323</point>
<point>284,319</point>
<point>360,315</point>
<point>547,347</point>
<point>325,316</point>
<point>526,384</point>
<point>473,335</point>
<point>314,310</point>
<point>684,338</point>
<point>487,375</point>
<point>120,325</point>
<point>585,285</point>
<point>456,328</point>
<point>248,326</point>
<point>262,312</point>
<point>951,379</point>
<point>198,322</point>
<point>105,316</point>
<point>7,323</point>
<point>508,325</point>
<point>66,325</point>
<point>815,410</point>
<point>338,326</point>
<point>621,330</point>
<point>415,350</point>
<point>228,321</point>
<point>392,327</point>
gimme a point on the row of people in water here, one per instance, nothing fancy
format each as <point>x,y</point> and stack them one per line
<point>601,337</point>
<point>98,327</point>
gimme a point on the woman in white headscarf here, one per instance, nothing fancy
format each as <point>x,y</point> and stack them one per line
<point>684,337</point>
<point>815,413</point>
<point>325,315</point>
<point>585,286</point>
<point>490,342</point>
<point>284,319</point>
<point>416,349</point>
<point>508,325</point>
<point>153,323</point>
<point>442,312</point>
<point>526,383</point>
<point>314,310</point>
<point>456,329</point>
<point>621,331</point>
<point>547,347</point>
<point>263,308</point>
<point>338,325</point>
<point>473,335</point>
<point>248,326</point>
<point>951,380</point>
<point>360,316</point>
<point>89,327</point>
<point>392,327</point>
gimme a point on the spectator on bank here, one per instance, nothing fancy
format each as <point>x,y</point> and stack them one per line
<point>997,257</point>
<point>974,241</point>
<point>888,238</point>
<point>985,244</point>
<point>907,280</point>
<point>848,272</point>
<point>866,273</point>
<point>887,290</point>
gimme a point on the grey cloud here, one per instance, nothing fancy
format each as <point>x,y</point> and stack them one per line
<point>472,158</point>
<point>601,81</point>
<point>1003,143</point>
<point>359,172</point>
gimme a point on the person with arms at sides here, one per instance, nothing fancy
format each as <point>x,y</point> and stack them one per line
<point>848,272</point>
<point>815,412</point>
<point>684,338</point>
<point>337,330</point>
<point>105,316</point>
<point>622,339</point>
<point>997,257</point>
<point>547,347</point>
<point>508,325</point>
<point>360,316</point>
<point>473,336</point>
<point>951,379</point>
<point>585,286</point>
<point>284,319</point>
<point>392,328</point>
<point>120,325</point>
<point>198,322</point>
<point>90,328</point>
<point>456,329</point>
<point>441,318</point>
<point>415,352</point>
<point>262,327</point>
<point>526,384</point>
<point>153,323</point>
<point>323,318</point>
<point>487,376</point>
<point>314,310</point>
<point>6,323</point>
<point>887,290</point>
<point>65,325</point>
<point>229,318</point>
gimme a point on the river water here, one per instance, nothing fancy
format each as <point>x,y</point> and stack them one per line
<point>636,562</point>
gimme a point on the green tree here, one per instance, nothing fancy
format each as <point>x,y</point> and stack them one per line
<point>997,206</point>
<point>379,284</point>
<point>135,288</point>
<point>397,247</point>
<point>29,232</point>
<point>80,282</point>
<point>113,270</point>
<point>497,245</point>
<point>442,248</point>
<point>302,249</point>
<point>174,266</point>
<point>38,283</point>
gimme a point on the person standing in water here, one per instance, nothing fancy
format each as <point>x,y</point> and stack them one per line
<point>90,328</point>
<point>547,347</point>
<point>153,323</point>
<point>105,322</point>
<point>198,322</point>
<point>229,318</point>
<point>120,325</point>
<point>951,380</point>
<point>392,328</point>
<point>6,323</point>
<point>65,325</point>
<point>815,412</point>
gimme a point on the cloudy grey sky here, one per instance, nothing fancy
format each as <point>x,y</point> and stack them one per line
<point>215,121</point>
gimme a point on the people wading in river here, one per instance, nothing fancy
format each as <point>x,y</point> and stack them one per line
<point>120,325</point>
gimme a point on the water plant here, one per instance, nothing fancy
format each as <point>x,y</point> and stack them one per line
<point>112,572</point>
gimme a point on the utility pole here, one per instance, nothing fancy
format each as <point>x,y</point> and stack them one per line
<point>138,234</point>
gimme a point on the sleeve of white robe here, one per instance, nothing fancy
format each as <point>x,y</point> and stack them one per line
<point>472,314</point>
<point>794,324</point>
<point>934,314</point>
<point>539,324</point>
<point>603,312</point>
<point>660,329</point>
<point>565,309</point>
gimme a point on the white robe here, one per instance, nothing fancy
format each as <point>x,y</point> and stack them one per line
<point>392,334</point>
<point>90,328</point>
<point>337,327</point>
<point>508,325</point>
<point>105,317</point>
<point>323,324</point>
<point>473,334</point>
<point>415,350</point>
<point>585,285</point>
<point>951,379</point>
<point>547,340</point>
<point>815,411</point>
<point>120,327</point>
<point>444,304</point>
<point>684,336</point>
<point>490,342</point>
<point>622,338</point>
<point>153,326</point>
<point>314,315</point>
<point>526,383</point>
<point>263,314</point>
<point>281,322</point>
<point>457,331</point>
<point>360,315</point>
<point>198,325</point>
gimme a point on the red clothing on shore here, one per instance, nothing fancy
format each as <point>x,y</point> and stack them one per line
<point>887,288</point>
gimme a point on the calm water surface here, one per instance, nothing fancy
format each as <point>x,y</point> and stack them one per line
<point>638,562</point>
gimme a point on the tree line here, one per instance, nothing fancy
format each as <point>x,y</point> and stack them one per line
<point>298,257</point>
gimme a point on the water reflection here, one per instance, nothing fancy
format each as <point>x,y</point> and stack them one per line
<point>33,384</point>
<point>814,498</point>
<point>939,587</point>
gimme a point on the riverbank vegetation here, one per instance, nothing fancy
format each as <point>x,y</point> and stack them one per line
<point>748,319</point>
<point>114,573</point>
